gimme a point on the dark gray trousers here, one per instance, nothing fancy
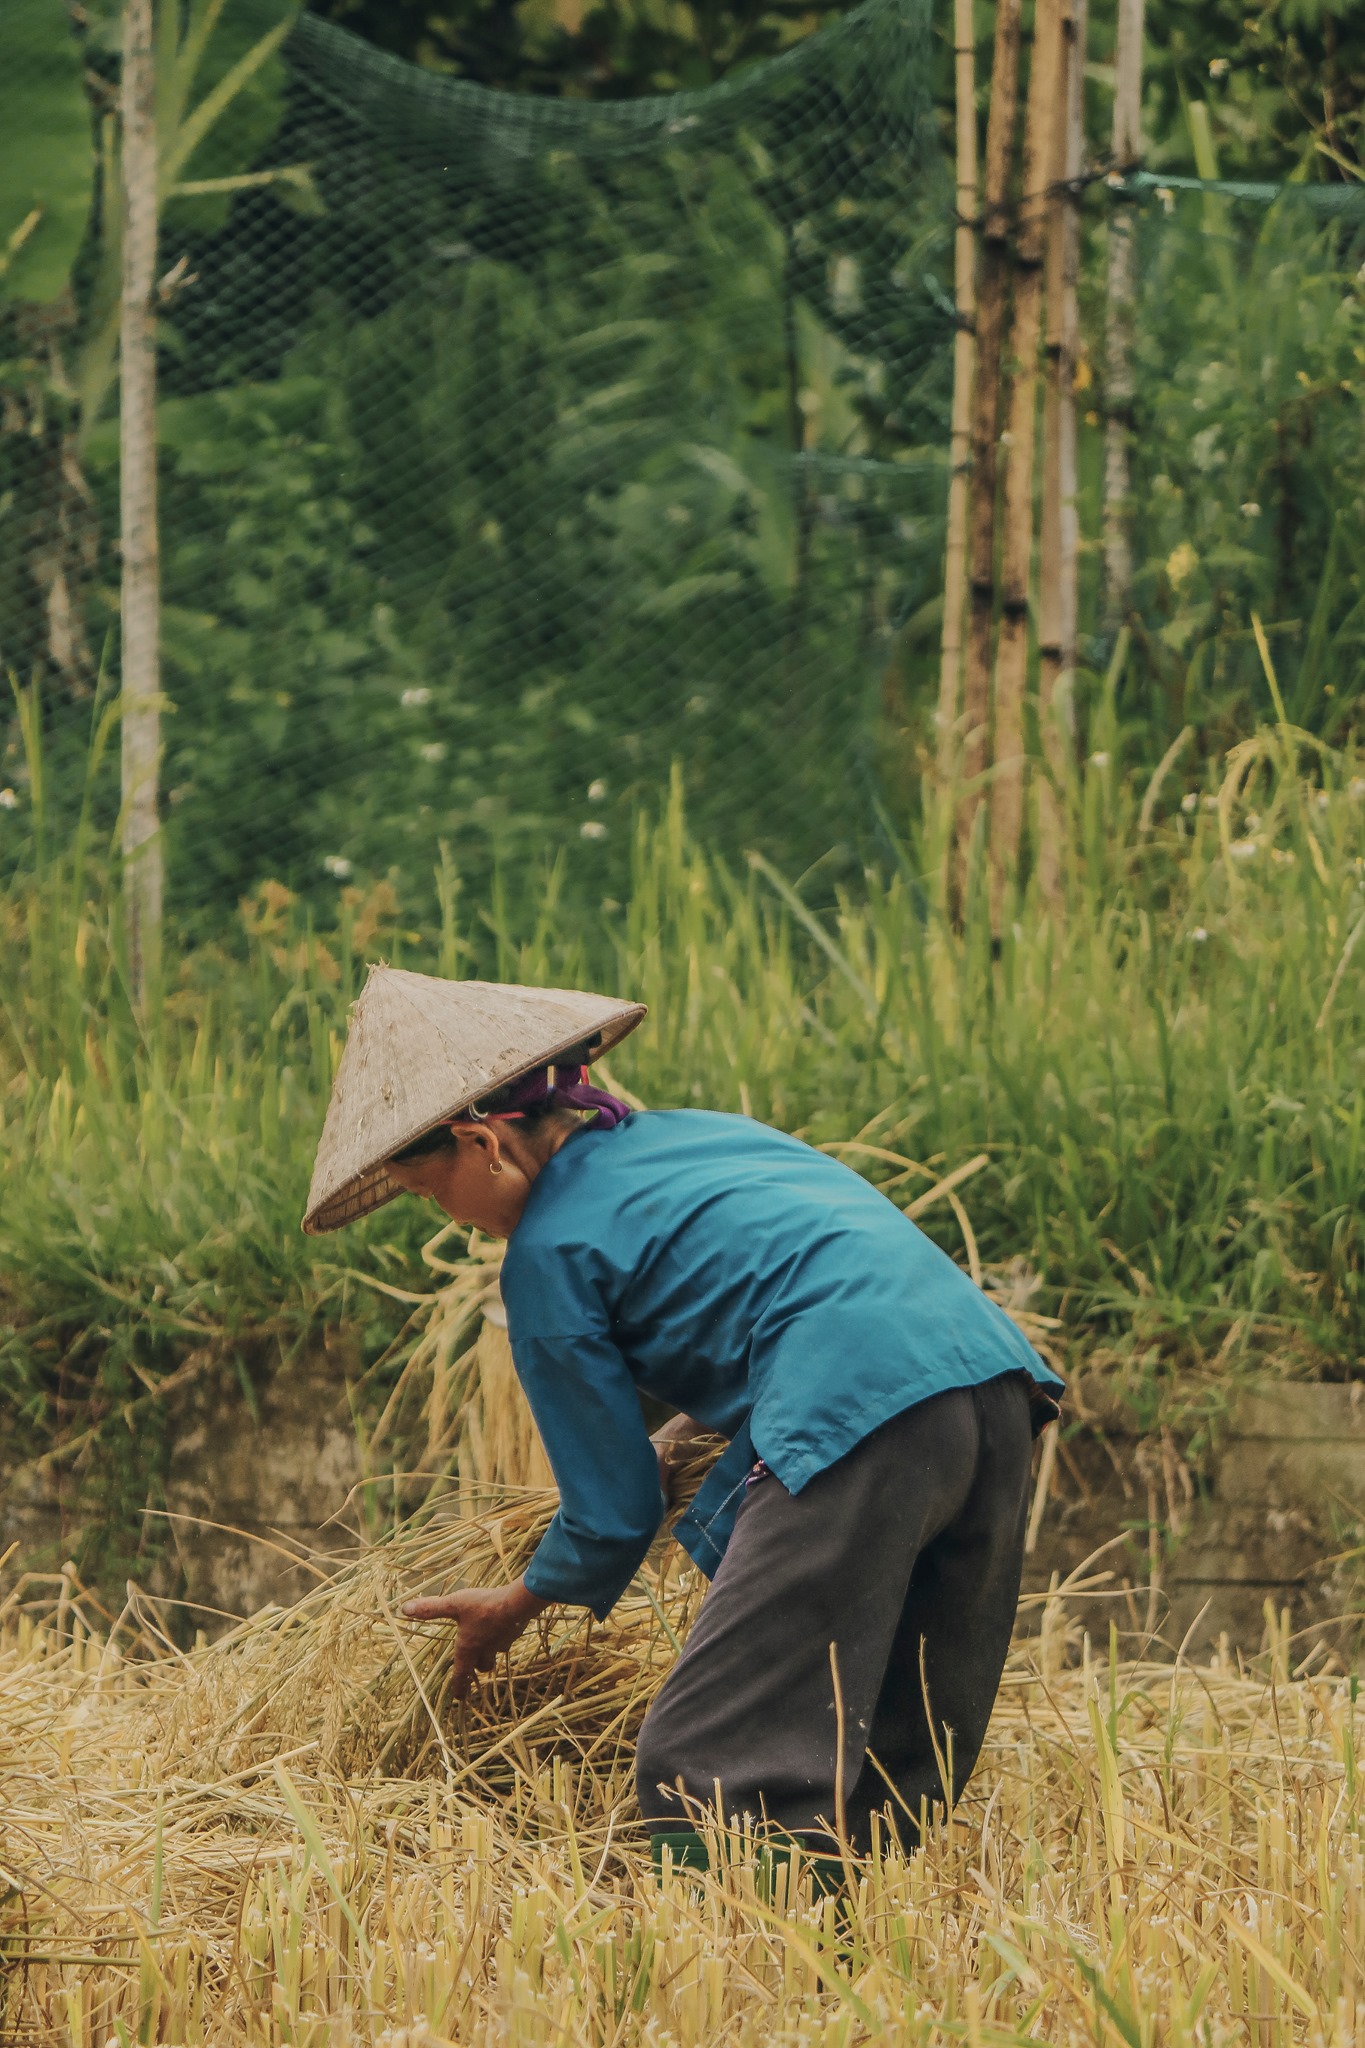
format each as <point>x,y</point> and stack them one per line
<point>912,1544</point>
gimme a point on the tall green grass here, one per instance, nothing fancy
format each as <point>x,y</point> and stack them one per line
<point>1166,1070</point>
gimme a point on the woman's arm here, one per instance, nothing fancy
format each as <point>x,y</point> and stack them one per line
<point>587,1411</point>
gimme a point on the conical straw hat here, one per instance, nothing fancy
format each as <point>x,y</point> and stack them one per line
<point>421,1050</point>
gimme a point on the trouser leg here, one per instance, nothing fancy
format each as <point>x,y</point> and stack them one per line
<point>752,1709</point>
<point>954,1631</point>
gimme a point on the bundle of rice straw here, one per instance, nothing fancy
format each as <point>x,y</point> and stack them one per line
<point>342,1671</point>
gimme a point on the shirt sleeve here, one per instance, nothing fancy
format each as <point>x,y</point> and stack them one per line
<point>588,1413</point>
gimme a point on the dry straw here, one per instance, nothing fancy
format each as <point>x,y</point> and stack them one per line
<point>368,1694</point>
<point>202,1850</point>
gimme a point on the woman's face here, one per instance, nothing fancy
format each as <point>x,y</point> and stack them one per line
<point>482,1179</point>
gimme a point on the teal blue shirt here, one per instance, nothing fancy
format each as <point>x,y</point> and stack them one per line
<point>739,1275</point>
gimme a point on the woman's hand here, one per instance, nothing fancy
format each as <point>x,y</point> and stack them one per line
<point>671,1445</point>
<point>489,1618</point>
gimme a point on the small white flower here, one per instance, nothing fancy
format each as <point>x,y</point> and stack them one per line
<point>592,829</point>
<point>8,800</point>
<point>434,750</point>
<point>1321,799</point>
<point>411,699</point>
<point>1219,67</point>
<point>1100,760</point>
<point>1165,195</point>
<point>1282,856</point>
<point>597,791</point>
<point>1243,849</point>
<point>844,286</point>
<point>1253,821</point>
<point>1251,510</point>
<point>1189,802</point>
<point>1198,936</point>
<point>1208,803</point>
<point>338,866</point>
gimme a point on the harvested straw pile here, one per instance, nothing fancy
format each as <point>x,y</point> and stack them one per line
<point>368,1694</point>
<point>217,1849</point>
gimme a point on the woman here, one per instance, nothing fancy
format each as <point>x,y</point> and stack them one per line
<point>863,1530</point>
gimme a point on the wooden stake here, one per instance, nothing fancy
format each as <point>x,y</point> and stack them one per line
<point>1059,546</point>
<point>1042,164</point>
<point>1118,327</point>
<point>990,326</point>
<point>964,359</point>
<point>141,601</point>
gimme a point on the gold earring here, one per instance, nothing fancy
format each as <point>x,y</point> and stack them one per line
<point>495,1166</point>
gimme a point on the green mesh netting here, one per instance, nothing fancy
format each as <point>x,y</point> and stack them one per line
<point>515,449</point>
<point>1249,461</point>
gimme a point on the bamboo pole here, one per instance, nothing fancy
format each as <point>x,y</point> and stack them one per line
<point>1118,327</point>
<point>964,360</point>
<point>141,597</point>
<point>1059,543</point>
<point>992,293</point>
<point>1042,164</point>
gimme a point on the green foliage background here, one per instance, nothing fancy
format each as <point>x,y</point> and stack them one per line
<point>47,170</point>
<point>516,447</point>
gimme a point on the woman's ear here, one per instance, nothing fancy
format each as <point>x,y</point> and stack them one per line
<point>481,1140</point>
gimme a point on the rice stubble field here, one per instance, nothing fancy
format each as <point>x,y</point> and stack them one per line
<point>293,1836</point>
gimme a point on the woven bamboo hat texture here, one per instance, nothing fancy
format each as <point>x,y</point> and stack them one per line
<point>419,1051</point>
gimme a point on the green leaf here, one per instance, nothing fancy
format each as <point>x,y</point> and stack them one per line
<point>46,150</point>
<point>230,66</point>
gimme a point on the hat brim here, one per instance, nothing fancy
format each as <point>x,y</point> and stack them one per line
<point>372,1188</point>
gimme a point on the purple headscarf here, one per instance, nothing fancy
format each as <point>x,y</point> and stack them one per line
<point>570,1089</point>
